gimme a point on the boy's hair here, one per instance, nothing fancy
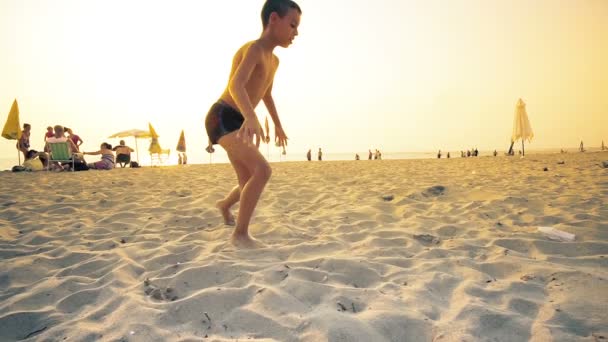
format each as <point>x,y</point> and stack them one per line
<point>281,7</point>
<point>26,125</point>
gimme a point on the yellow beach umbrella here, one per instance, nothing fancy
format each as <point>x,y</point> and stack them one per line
<point>135,133</point>
<point>181,143</point>
<point>152,131</point>
<point>521,125</point>
<point>154,145</point>
<point>12,129</point>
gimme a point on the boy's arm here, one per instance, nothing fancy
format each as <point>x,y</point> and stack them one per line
<point>236,86</point>
<point>280,136</point>
<point>272,110</point>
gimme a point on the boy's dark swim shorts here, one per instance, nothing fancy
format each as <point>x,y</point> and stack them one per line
<point>221,120</point>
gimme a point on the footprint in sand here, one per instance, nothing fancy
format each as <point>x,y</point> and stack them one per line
<point>159,293</point>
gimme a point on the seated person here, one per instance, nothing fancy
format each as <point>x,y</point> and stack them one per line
<point>36,161</point>
<point>59,137</point>
<point>107,158</point>
<point>123,154</point>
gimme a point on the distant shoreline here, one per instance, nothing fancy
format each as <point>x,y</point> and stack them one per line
<point>6,163</point>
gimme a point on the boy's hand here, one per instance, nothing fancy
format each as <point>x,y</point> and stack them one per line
<point>251,128</point>
<point>280,138</point>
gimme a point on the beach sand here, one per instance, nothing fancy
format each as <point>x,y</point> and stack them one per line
<point>392,250</point>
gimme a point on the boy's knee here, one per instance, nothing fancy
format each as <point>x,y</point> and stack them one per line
<point>264,171</point>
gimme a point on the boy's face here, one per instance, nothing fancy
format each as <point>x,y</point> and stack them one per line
<point>285,29</point>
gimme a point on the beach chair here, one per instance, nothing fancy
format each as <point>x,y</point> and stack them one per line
<point>60,152</point>
<point>159,157</point>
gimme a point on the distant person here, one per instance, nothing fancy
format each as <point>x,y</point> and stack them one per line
<point>309,155</point>
<point>75,138</point>
<point>107,158</point>
<point>439,154</point>
<point>376,152</point>
<point>320,154</point>
<point>379,155</point>
<point>476,152</point>
<point>36,161</point>
<point>582,147</point>
<point>184,158</point>
<point>179,159</point>
<point>357,156</point>
<point>448,155</point>
<point>49,133</point>
<point>369,156</point>
<point>468,153</point>
<point>123,154</point>
<point>59,137</point>
<point>495,153</point>
<point>23,144</point>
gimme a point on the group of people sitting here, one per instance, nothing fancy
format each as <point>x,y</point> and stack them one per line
<point>44,160</point>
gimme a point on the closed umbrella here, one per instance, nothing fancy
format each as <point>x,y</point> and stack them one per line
<point>154,145</point>
<point>136,133</point>
<point>181,143</point>
<point>12,129</point>
<point>521,125</point>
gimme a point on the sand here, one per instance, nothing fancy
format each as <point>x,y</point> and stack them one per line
<point>392,250</point>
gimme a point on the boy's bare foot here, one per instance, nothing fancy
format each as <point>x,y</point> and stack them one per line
<point>245,241</point>
<point>225,210</point>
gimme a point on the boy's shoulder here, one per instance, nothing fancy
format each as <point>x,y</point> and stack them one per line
<point>255,47</point>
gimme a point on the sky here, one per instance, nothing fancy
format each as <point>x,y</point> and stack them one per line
<point>397,75</point>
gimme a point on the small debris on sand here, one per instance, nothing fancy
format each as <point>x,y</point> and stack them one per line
<point>159,293</point>
<point>388,198</point>
<point>427,239</point>
<point>436,190</point>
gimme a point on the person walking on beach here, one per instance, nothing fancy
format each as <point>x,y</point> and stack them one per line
<point>369,156</point>
<point>320,154</point>
<point>309,155</point>
<point>232,122</point>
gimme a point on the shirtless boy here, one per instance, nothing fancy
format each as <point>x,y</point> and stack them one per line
<point>232,122</point>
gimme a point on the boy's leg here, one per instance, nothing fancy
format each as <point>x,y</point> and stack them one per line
<point>246,158</point>
<point>234,195</point>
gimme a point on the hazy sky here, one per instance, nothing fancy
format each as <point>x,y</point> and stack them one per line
<point>399,75</point>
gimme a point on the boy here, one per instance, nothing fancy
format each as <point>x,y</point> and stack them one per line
<point>232,122</point>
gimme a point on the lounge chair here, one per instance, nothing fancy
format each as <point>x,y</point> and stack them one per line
<point>60,152</point>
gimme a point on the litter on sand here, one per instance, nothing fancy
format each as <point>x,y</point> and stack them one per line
<point>556,234</point>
